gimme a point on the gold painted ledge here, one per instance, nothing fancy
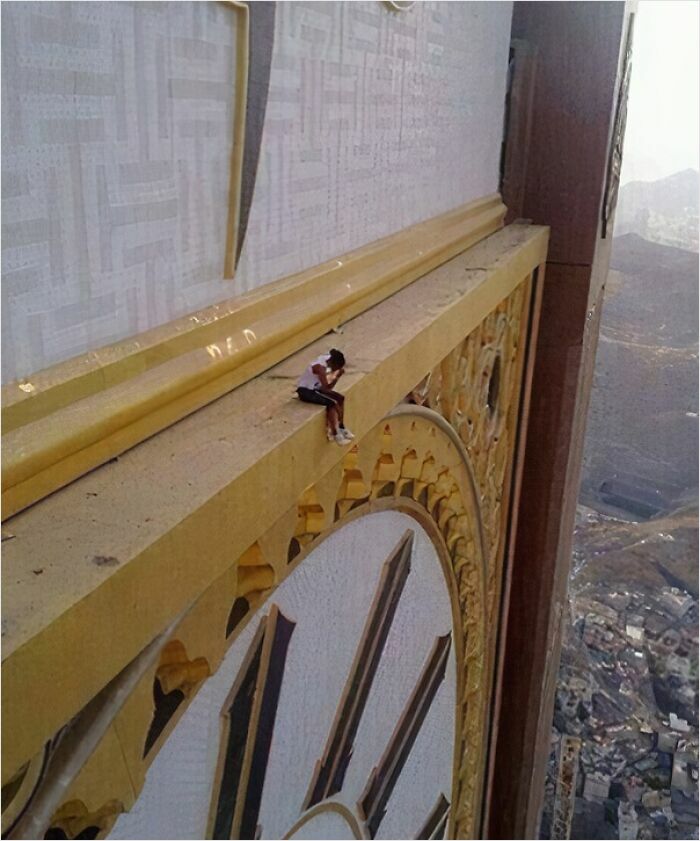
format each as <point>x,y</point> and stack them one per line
<point>72,417</point>
<point>95,572</point>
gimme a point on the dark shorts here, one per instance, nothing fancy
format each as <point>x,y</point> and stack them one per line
<point>311,395</point>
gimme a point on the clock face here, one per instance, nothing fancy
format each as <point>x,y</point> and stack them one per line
<point>333,712</point>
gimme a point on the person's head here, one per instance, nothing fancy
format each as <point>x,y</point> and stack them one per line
<point>337,360</point>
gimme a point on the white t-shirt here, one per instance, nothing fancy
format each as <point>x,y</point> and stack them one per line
<point>308,379</point>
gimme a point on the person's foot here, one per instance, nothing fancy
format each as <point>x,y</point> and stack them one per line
<point>330,434</point>
<point>346,433</point>
<point>341,439</point>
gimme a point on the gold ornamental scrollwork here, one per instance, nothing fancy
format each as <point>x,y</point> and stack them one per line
<point>476,388</point>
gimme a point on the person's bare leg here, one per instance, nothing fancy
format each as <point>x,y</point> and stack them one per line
<point>340,403</point>
<point>332,419</point>
<point>341,411</point>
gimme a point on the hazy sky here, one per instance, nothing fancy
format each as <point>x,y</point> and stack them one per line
<point>662,117</point>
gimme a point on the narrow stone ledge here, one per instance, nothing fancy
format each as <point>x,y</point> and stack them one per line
<point>75,416</point>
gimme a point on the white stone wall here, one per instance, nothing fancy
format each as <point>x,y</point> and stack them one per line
<point>376,120</point>
<point>116,139</point>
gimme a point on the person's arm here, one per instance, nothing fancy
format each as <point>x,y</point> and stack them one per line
<point>335,376</point>
<point>320,371</point>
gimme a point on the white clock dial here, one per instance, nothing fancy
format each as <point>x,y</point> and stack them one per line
<point>332,714</point>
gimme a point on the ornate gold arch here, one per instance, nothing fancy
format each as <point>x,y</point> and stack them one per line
<point>416,463</point>
<point>411,461</point>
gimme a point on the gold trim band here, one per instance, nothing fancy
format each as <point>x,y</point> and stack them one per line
<point>72,417</point>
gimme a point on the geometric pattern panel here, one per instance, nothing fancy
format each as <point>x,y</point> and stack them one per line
<point>375,120</point>
<point>117,130</point>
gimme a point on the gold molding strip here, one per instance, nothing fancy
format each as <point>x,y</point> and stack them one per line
<point>74,416</point>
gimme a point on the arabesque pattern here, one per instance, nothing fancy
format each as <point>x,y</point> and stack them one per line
<point>476,388</point>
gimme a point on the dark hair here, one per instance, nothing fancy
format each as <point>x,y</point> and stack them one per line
<point>336,358</point>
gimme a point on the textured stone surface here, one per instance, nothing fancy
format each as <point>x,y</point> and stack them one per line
<point>117,127</point>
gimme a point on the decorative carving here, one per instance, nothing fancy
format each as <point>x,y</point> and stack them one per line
<point>255,576</point>
<point>310,523</point>
<point>353,490</point>
<point>74,821</point>
<point>254,580</point>
<point>476,388</point>
<point>176,679</point>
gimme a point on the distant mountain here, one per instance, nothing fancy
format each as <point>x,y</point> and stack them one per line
<point>668,195</point>
<point>664,211</point>
<point>641,440</point>
<point>652,292</point>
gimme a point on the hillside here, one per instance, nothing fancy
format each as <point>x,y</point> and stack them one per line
<point>664,211</point>
<point>652,292</point>
<point>643,421</point>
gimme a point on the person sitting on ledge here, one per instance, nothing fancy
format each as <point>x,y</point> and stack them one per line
<point>316,386</point>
